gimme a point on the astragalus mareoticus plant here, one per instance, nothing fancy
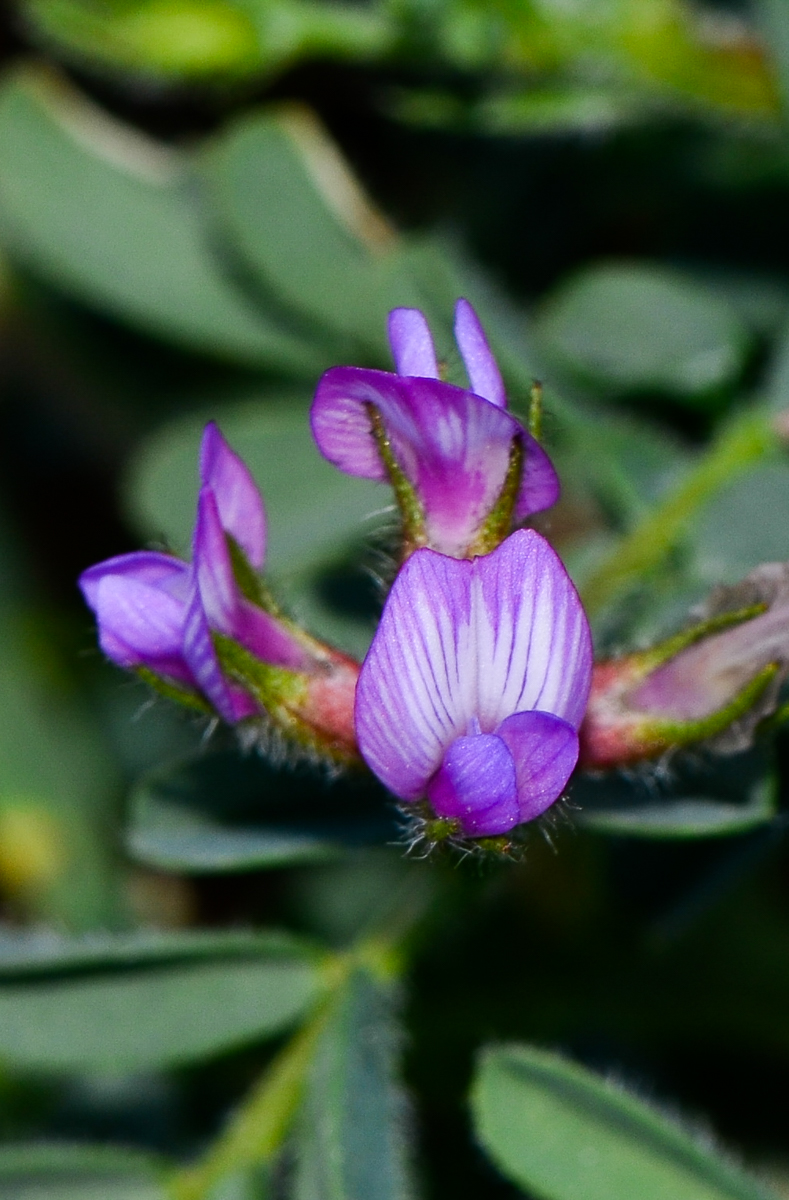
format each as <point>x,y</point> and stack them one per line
<point>473,700</point>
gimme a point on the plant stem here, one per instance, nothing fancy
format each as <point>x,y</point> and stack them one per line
<point>740,445</point>
<point>257,1130</point>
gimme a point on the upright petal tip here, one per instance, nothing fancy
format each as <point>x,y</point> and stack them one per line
<point>412,343</point>
<point>481,366</point>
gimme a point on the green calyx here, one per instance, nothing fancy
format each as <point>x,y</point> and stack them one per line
<point>412,514</point>
<point>498,523</point>
<point>173,691</point>
<point>276,689</point>
<point>249,582</point>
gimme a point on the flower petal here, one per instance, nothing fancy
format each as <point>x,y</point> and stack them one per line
<point>140,625</point>
<point>488,638</point>
<point>230,701</point>
<point>237,496</point>
<point>412,343</point>
<point>540,485</point>
<point>160,571</point>
<point>532,639</point>
<point>545,750</point>
<point>476,785</point>
<point>416,691</point>
<point>341,422</point>
<point>213,568</point>
<point>481,367</point>
<point>452,445</point>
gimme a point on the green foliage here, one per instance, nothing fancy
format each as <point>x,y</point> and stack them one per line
<point>566,1134</point>
<point>630,328</point>
<point>225,813</point>
<point>313,511</point>
<point>350,1139</point>
<point>59,1171</point>
<point>133,1007</point>
<point>102,214</point>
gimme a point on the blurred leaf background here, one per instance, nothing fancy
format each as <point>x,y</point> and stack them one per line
<point>204,204</point>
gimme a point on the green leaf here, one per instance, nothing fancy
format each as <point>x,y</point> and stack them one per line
<point>313,509</point>
<point>563,1133</point>
<point>299,219</point>
<point>27,954</point>
<point>57,783</point>
<point>195,38</point>
<point>686,818</point>
<point>61,1171</point>
<point>731,795</point>
<point>92,208</point>
<point>743,525</point>
<point>350,1140</point>
<point>224,812</point>
<point>637,327</point>
<point>126,1016</point>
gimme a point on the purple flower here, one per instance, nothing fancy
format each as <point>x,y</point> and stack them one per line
<point>463,468</point>
<point>157,613</point>
<point>475,684</point>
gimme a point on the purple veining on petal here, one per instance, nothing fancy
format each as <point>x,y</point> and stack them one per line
<point>414,697</point>
<point>141,626</point>
<point>237,496</point>
<point>140,605</point>
<point>481,366</point>
<point>544,749</point>
<point>532,636</point>
<point>465,646</point>
<point>230,701</point>
<point>412,343</point>
<point>476,786</point>
<point>452,445</point>
<point>226,609</point>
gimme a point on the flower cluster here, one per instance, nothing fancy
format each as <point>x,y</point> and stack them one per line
<point>473,702</point>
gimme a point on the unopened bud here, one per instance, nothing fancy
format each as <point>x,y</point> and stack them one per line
<point>714,682</point>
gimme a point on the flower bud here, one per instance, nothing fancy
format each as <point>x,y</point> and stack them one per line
<point>714,682</point>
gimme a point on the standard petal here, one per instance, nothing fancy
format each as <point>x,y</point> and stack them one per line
<point>140,625</point>
<point>412,343</point>
<point>416,692</point>
<point>545,750</point>
<point>476,785</point>
<point>237,496</point>
<point>481,367</point>
<point>532,639</point>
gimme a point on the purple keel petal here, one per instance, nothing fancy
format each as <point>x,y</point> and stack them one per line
<point>545,750</point>
<point>481,367</point>
<point>416,692</point>
<point>533,643</point>
<point>237,496</point>
<point>476,785</point>
<point>412,343</point>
